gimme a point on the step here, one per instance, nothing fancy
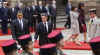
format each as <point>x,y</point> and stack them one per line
<point>61,20</point>
<point>61,12</point>
<point>60,9</point>
<point>60,24</point>
<point>61,17</point>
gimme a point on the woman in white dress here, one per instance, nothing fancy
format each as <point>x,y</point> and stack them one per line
<point>74,24</point>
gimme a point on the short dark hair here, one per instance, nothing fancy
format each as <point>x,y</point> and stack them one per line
<point>44,14</point>
<point>73,8</point>
<point>81,5</point>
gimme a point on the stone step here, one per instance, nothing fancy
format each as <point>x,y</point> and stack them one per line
<point>61,17</point>
<point>60,24</point>
<point>61,12</point>
<point>61,20</point>
<point>61,9</point>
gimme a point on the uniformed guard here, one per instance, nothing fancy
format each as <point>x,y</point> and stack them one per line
<point>26,43</point>
<point>9,47</point>
<point>56,37</point>
<point>48,49</point>
<point>95,45</point>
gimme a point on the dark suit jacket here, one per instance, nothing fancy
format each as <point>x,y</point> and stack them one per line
<point>52,11</point>
<point>41,32</point>
<point>26,13</point>
<point>1,12</point>
<point>17,30</point>
<point>13,14</point>
<point>5,14</point>
<point>33,11</point>
<point>39,10</point>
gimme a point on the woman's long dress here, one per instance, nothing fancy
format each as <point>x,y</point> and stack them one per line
<point>74,22</point>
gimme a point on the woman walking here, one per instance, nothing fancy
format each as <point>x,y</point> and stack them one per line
<point>81,18</point>
<point>74,24</point>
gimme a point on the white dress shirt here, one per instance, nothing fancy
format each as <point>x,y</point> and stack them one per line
<point>46,25</point>
<point>13,9</point>
<point>33,7</point>
<point>21,22</point>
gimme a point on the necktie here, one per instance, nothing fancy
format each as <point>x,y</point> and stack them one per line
<point>92,21</point>
<point>28,8</point>
<point>41,7</point>
<point>33,8</point>
<point>13,9</point>
<point>45,27</point>
<point>21,23</point>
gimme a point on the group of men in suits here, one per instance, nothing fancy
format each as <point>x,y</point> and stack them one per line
<point>30,13</point>
<point>21,18</point>
<point>4,16</point>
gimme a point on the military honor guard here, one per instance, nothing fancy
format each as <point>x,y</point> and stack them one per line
<point>9,47</point>
<point>56,37</point>
<point>48,49</point>
<point>26,43</point>
<point>95,45</point>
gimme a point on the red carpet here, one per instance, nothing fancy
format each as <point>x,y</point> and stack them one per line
<point>31,30</point>
<point>9,31</point>
<point>70,45</point>
<point>1,52</point>
<point>73,46</point>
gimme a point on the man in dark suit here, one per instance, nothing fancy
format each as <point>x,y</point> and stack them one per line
<point>13,13</point>
<point>43,29</point>
<point>19,26</point>
<point>1,11</point>
<point>4,19</point>
<point>34,15</point>
<point>40,9</point>
<point>26,12</point>
<point>68,9</point>
<point>53,15</point>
